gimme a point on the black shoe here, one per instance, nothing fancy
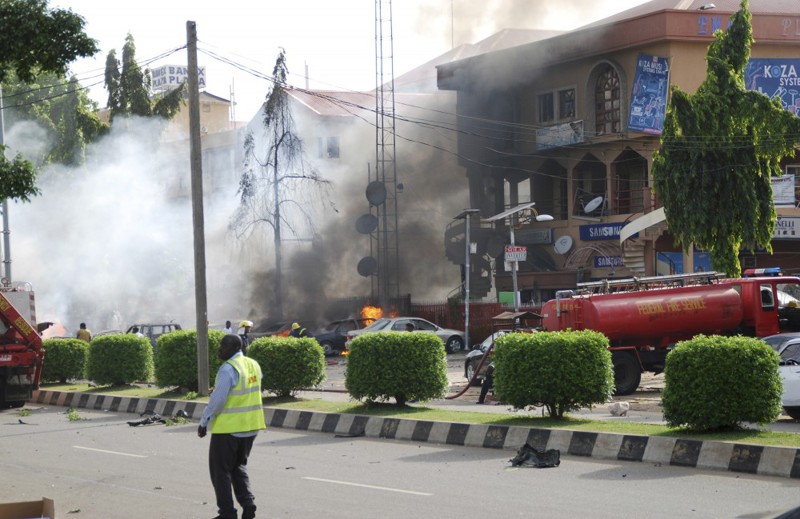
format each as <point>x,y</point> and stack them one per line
<point>249,512</point>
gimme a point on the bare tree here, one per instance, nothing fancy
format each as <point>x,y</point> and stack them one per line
<point>276,175</point>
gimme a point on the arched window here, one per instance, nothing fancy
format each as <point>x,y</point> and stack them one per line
<point>607,102</point>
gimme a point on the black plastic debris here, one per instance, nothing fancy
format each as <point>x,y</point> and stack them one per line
<point>152,420</point>
<point>181,414</point>
<point>528,456</point>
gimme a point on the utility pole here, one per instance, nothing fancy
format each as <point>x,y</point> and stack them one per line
<point>6,229</point>
<point>196,162</point>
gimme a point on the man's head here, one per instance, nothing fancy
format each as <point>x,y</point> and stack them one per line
<point>135,329</point>
<point>83,326</point>
<point>409,327</point>
<point>227,324</point>
<point>229,346</point>
<point>295,326</point>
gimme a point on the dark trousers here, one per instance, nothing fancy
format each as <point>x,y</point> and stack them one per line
<point>227,463</point>
<point>488,382</point>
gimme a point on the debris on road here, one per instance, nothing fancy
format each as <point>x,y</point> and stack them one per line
<point>528,456</point>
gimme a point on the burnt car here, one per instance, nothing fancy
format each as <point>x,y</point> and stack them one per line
<point>154,330</point>
<point>269,329</point>
<point>333,335</point>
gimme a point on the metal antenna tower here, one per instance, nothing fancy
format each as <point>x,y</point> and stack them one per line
<point>388,273</point>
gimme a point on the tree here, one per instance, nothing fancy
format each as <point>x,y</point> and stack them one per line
<point>719,149</point>
<point>272,175</point>
<point>27,48</point>
<point>130,88</point>
<point>61,107</point>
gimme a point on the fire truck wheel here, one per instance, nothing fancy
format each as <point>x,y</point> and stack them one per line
<point>454,344</point>
<point>627,374</point>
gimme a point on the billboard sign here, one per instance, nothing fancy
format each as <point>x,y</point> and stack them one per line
<point>649,96</point>
<point>170,77</point>
<point>776,78</point>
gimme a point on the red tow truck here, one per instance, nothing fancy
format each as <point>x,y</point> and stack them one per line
<point>21,353</point>
<point>644,318</point>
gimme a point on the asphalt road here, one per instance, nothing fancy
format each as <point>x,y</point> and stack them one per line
<point>99,467</point>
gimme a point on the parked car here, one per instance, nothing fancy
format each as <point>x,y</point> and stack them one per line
<point>786,344</point>
<point>788,347</point>
<point>154,330</point>
<point>473,358</point>
<point>333,335</point>
<point>790,374</point>
<point>453,339</point>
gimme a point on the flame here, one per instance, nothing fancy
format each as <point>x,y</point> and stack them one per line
<point>284,333</point>
<point>371,313</point>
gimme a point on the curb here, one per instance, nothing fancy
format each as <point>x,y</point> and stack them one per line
<point>710,455</point>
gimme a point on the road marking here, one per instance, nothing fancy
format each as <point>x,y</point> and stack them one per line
<point>108,452</point>
<point>368,486</point>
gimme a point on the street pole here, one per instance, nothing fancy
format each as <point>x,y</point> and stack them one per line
<point>465,214</point>
<point>6,229</point>
<point>466,285</point>
<point>513,266</point>
<point>196,163</point>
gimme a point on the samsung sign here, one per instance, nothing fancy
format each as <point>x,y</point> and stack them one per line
<point>602,231</point>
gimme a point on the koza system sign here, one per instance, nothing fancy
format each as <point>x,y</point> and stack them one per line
<point>170,77</point>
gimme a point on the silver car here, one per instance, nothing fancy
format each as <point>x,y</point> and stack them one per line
<point>453,339</point>
<point>788,347</point>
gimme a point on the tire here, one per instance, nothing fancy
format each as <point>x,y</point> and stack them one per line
<point>328,348</point>
<point>793,412</point>
<point>627,374</point>
<point>469,371</point>
<point>454,344</point>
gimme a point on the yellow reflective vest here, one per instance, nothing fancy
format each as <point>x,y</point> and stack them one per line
<point>243,409</point>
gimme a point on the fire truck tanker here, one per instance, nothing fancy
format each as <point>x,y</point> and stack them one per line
<point>21,353</point>
<point>644,318</point>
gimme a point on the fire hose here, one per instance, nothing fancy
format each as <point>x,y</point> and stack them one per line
<point>474,374</point>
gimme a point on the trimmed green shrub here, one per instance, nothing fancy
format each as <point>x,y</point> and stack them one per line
<point>715,382</point>
<point>400,365</point>
<point>64,359</point>
<point>120,359</point>
<point>561,371</point>
<point>288,364</point>
<point>176,358</point>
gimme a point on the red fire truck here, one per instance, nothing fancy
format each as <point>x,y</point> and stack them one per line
<point>644,317</point>
<point>21,353</point>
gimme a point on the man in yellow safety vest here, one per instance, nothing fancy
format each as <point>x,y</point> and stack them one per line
<point>235,414</point>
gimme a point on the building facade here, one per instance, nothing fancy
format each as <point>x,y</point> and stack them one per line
<point>571,123</point>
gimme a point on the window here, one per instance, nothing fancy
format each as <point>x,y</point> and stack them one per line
<point>333,147</point>
<point>795,172</point>
<point>328,148</point>
<point>607,102</point>
<point>546,108</point>
<point>566,103</point>
<point>557,105</point>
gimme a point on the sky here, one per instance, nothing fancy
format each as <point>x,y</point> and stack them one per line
<point>334,39</point>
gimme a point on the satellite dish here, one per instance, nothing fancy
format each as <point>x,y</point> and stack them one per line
<point>376,192</point>
<point>367,266</point>
<point>563,244</point>
<point>366,223</point>
<point>593,204</point>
